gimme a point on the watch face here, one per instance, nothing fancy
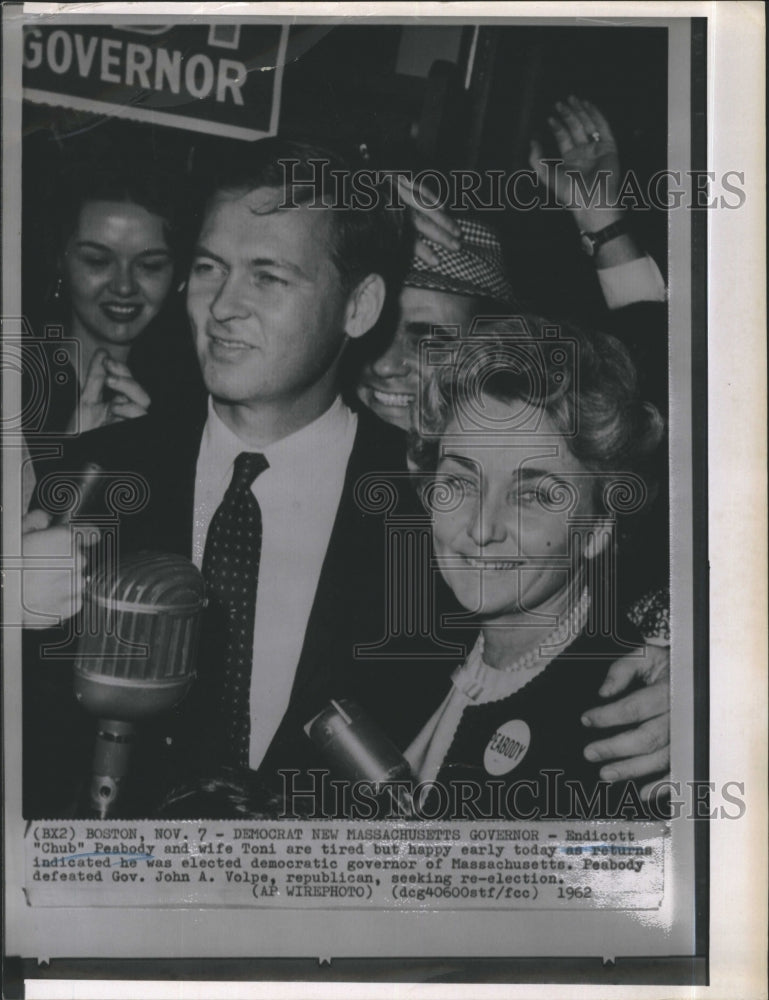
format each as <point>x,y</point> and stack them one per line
<point>589,243</point>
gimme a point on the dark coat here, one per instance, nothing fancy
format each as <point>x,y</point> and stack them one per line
<point>549,757</point>
<point>51,392</point>
<point>395,683</point>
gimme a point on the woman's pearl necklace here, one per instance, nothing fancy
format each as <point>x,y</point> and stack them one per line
<point>568,629</point>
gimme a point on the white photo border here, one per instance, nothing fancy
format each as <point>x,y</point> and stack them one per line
<point>737,917</point>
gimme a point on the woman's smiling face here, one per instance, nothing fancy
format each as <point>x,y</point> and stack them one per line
<point>118,270</point>
<point>503,540</point>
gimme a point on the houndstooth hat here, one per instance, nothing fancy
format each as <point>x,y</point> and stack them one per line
<point>476,269</point>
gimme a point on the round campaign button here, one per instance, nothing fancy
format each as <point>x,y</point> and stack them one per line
<point>507,747</point>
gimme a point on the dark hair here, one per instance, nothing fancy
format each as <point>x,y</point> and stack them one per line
<point>368,239</point>
<point>154,191</point>
<point>584,381</point>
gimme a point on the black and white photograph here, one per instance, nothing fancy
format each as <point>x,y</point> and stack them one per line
<point>362,571</point>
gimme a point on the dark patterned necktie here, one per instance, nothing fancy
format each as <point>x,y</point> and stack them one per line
<point>231,572</point>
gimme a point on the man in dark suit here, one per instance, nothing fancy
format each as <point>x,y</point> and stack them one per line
<point>279,283</point>
<point>274,294</point>
<point>348,647</point>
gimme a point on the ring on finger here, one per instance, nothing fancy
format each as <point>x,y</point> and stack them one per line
<point>595,136</point>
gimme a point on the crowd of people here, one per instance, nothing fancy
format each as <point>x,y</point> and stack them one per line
<point>332,345</point>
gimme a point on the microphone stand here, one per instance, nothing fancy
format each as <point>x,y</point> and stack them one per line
<point>111,757</point>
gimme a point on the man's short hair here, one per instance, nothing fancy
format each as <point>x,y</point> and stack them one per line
<point>366,240</point>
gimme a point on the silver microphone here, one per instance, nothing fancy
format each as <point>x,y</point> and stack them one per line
<point>136,655</point>
<point>357,749</point>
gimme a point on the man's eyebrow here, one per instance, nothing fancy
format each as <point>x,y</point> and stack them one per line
<point>423,328</point>
<point>468,463</point>
<point>201,251</point>
<point>286,265</point>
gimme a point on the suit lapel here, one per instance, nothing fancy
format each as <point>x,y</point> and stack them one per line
<point>172,451</point>
<point>177,498</point>
<point>350,576</point>
<point>351,602</point>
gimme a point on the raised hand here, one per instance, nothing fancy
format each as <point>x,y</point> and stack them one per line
<point>588,151</point>
<point>129,399</point>
<point>430,223</point>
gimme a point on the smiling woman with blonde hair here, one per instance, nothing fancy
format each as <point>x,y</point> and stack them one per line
<point>537,445</point>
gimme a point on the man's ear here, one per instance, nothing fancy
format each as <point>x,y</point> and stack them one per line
<point>364,306</point>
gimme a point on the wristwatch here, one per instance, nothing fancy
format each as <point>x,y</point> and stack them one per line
<point>592,241</point>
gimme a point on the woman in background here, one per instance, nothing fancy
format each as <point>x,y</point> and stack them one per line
<point>111,342</point>
<point>108,345</point>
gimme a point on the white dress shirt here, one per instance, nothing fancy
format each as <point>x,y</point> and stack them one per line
<point>299,495</point>
<point>636,280</point>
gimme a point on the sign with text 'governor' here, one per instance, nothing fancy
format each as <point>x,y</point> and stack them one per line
<point>222,79</point>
